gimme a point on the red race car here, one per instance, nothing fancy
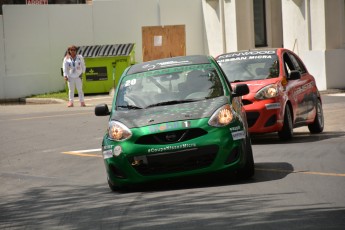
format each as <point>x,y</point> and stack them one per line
<point>283,94</point>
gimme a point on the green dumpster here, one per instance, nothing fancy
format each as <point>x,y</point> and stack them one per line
<point>105,65</point>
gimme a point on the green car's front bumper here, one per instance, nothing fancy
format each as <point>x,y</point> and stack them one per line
<point>148,155</point>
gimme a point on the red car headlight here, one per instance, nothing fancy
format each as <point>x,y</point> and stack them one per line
<point>269,91</point>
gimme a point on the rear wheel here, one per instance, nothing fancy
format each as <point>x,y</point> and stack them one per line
<point>318,124</point>
<point>287,131</point>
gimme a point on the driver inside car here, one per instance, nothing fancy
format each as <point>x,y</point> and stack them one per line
<point>196,81</point>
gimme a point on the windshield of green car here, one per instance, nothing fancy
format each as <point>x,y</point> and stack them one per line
<point>168,86</point>
<point>246,67</point>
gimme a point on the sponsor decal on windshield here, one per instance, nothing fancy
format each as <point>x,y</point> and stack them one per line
<point>249,55</point>
<point>245,58</point>
<point>130,82</point>
<point>170,70</point>
<point>165,64</point>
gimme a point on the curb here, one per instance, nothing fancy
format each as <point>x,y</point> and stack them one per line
<point>42,101</point>
<point>332,91</point>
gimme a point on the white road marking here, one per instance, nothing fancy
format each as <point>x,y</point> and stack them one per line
<point>337,94</point>
<point>85,153</point>
<point>300,171</point>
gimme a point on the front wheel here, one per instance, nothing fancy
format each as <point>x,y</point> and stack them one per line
<point>318,124</point>
<point>287,131</point>
<point>247,171</point>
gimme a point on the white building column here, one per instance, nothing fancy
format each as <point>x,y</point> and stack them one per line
<point>239,25</point>
<point>229,25</point>
<point>315,31</point>
<point>213,20</point>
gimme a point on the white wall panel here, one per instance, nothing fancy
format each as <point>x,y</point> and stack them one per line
<point>26,49</point>
<point>335,60</point>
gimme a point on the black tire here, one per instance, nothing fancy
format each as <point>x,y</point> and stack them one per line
<point>287,131</point>
<point>247,171</point>
<point>318,124</point>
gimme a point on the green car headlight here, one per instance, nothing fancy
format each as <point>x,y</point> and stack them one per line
<point>269,91</point>
<point>222,117</point>
<point>118,131</point>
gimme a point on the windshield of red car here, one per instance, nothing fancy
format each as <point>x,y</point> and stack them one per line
<point>247,67</point>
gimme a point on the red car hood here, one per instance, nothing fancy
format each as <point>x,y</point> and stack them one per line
<point>256,85</point>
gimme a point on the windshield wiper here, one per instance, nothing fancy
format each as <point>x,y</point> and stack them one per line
<point>128,107</point>
<point>245,80</point>
<point>172,102</point>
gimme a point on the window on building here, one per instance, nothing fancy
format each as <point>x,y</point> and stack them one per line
<point>260,23</point>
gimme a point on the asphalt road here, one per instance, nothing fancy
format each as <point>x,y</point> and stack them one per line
<point>52,177</point>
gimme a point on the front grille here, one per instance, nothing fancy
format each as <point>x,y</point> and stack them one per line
<point>271,121</point>
<point>233,156</point>
<point>252,118</point>
<point>171,137</point>
<point>172,162</point>
<point>116,172</point>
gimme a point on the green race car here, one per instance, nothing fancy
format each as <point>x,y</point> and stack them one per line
<point>172,118</point>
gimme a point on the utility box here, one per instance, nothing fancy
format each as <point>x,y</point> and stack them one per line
<point>105,65</point>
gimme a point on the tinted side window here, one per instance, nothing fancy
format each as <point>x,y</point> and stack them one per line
<point>298,65</point>
<point>222,73</point>
<point>288,65</point>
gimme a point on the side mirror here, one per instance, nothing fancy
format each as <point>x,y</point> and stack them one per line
<point>102,110</point>
<point>240,90</point>
<point>294,75</point>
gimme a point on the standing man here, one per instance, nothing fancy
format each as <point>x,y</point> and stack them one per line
<point>73,67</point>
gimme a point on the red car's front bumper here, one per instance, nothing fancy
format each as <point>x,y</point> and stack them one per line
<point>264,116</point>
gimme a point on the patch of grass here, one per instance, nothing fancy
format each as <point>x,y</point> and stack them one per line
<point>57,95</point>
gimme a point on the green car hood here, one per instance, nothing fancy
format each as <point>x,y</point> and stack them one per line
<point>161,114</point>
